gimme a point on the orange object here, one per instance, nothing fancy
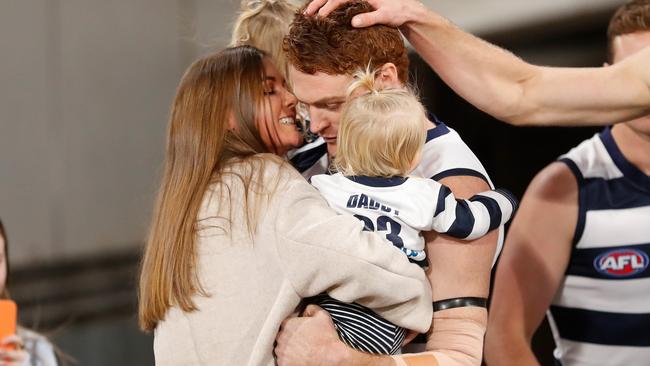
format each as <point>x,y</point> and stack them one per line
<point>8,315</point>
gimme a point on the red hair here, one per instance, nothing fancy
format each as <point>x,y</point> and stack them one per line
<point>332,46</point>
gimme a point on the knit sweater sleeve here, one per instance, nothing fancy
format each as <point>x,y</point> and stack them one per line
<point>322,251</point>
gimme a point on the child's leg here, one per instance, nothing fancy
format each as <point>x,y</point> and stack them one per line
<point>361,328</point>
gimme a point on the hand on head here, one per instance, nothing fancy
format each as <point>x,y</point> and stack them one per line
<point>388,12</point>
<point>309,339</point>
<point>14,356</point>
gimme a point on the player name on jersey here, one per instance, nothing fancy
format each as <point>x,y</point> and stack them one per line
<point>363,201</point>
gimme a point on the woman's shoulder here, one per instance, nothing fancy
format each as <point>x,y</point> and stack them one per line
<point>263,175</point>
<point>265,169</point>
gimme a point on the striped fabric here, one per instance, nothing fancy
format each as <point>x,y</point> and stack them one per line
<point>601,313</point>
<point>311,159</point>
<point>402,207</point>
<point>361,328</point>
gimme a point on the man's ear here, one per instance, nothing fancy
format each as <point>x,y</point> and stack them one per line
<point>386,76</point>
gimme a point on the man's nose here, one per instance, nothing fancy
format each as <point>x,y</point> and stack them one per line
<point>318,122</point>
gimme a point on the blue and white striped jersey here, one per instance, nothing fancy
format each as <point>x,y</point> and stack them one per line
<point>601,313</point>
<point>311,159</point>
<point>444,155</point>
<point>403,207</point>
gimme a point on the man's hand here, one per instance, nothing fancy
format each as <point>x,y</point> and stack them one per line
<point>387,12</point>
<point>310,340</point>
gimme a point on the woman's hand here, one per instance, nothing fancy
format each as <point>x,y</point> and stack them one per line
<point>310,340</point>
<point>387,12</point>
<point>13,357</point>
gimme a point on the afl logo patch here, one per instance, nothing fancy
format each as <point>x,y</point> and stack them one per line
<point>622,262</point>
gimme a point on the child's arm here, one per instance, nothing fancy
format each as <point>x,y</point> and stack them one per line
<point>472,218</point>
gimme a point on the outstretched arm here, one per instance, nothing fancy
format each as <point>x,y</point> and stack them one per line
<point>517,92</point>
<point>501,84</point>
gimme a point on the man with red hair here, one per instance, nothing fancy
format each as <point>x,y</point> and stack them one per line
<point>523,94</point>
<point>323,54</point>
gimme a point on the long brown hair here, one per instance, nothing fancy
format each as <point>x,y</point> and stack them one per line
<point>3,234</point>
<point>212,125</point>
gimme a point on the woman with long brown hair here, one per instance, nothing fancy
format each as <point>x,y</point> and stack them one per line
<point>239,238</point>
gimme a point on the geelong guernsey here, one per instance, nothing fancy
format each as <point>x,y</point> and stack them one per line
<point>311,159</point>
<point>444,155</point>
<point>601,313</point>
<point>403,207</point>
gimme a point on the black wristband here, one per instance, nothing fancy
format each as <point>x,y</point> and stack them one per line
<point>459,302</point>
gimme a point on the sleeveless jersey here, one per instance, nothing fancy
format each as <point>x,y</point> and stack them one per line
<point>601,312</point>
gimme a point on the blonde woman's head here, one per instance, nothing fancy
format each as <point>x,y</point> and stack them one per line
<point>263,24</point>
<point>382,132</point>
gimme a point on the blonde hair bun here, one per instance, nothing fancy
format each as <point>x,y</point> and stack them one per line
<point>382,130</point>
<point>364,83</point>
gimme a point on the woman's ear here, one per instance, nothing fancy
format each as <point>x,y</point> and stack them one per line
<point>386,77</point>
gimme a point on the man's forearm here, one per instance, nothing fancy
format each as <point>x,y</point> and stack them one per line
<point>357,358</point>
<point>501,84</point>
<point>467,63</point>
<point>456,339</point>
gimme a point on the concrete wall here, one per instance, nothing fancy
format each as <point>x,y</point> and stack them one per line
<point>85,87</point>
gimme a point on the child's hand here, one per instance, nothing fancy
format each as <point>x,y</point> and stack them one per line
<point>14,355</point>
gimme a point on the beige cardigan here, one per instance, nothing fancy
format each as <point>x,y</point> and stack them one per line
<point>301,248</point>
